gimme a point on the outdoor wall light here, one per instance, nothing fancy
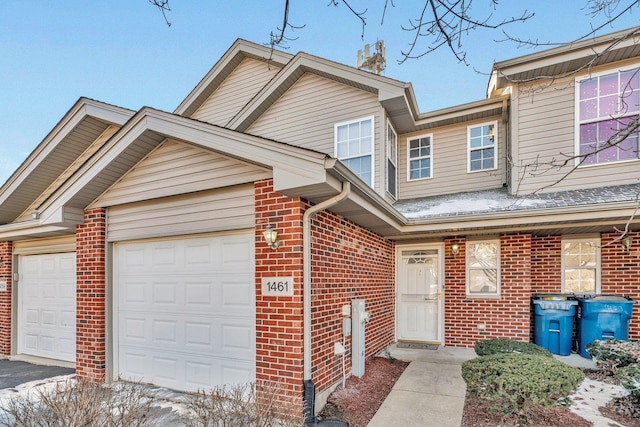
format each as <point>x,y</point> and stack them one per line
<point>455,249</point>
<point>271,237</point>
<point>626,242</point>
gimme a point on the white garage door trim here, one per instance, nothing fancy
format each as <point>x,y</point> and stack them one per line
<point>184,310</point>
<point>46,325</point>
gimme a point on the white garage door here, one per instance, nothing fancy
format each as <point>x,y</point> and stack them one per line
<point>185,311</point>
<point>47,306</point>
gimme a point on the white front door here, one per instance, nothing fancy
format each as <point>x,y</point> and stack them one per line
<point>47,306</point>
<point>185,311</point>
<point>420,299</point>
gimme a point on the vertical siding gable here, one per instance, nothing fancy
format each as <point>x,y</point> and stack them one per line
<point>176,168</point>
<point>236,91</point>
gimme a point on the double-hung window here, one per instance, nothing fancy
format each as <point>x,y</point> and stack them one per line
<point>482,147</point>
<point>483,268</point>
<point>392,161</point>
<point>581,265</point>
<point>419,154</point>
<point>354,147</point>
<point>607,106</point>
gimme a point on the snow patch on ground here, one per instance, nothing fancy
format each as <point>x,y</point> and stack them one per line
<point>590,396</point>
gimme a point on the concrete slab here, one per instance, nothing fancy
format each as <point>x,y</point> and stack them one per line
<point>433,378</point>
<point>408,408</point>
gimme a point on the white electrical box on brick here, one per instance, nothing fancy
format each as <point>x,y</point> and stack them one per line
<point>3,286</point>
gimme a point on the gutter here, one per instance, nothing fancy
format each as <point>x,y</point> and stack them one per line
<point>306,271</point>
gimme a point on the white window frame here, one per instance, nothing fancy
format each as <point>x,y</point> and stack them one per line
<point>373,144</point>
<point>429,157</point>
<point>594,240</point>
<point>495,146</point>
<point>468,269</point>
<point>392,156</point>
<point>579,122</point>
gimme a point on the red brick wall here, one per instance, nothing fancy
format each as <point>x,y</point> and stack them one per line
<point>90,296</point>
<point>279,319</point>
<point>505,317</point>
<point>546,264</point>
<point>6,250</point>
<point>621,274</point>
<point>347,262</point>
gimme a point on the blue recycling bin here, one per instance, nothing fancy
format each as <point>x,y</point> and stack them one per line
<point>603,317</point>
<point>553,327</point>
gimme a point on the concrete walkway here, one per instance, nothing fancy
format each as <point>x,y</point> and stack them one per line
<point>431,391</point>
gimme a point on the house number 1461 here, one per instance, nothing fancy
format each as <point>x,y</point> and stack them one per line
<point>277,286</point>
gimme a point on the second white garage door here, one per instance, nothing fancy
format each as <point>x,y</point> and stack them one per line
<point>185,311</point>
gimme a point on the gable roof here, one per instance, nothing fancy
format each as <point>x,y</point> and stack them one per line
<point>238,51</point>
<point>567,59</point>
<point>85,121</point>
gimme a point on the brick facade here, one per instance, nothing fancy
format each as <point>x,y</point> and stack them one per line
<point>529,265</point>
<point>90,296</point>
<point>347,262</point>
<point>507,316</point>
<point>6,250</point>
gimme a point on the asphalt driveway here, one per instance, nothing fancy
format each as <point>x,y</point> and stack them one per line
<point>15,372</point>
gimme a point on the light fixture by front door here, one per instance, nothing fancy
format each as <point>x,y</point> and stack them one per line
<point>271,237</point>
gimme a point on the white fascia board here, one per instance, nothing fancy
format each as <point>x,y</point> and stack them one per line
<point>568,52</point>
<point>33,228</point>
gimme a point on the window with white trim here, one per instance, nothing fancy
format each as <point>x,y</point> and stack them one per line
<point>392,160</point>
<point>483,267</point>
<point>482,149</point>
<point>419,157</point>
<point>606,104</point>
<point>581,265</point>
<point>354,147</point>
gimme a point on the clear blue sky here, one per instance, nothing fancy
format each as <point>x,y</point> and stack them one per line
<point>123,53</point>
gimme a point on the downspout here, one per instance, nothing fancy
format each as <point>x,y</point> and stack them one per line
<point>306,271</point>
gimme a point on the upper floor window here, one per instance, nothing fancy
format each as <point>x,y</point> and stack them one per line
<point>606,105</point>
<point>392,161</point>
<point>581,265</point>
<point>483,267</point>
<point>482,147</point>
<point>419,157</point>
<point>354,147</point>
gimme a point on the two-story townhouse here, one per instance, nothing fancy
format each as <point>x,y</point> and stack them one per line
<point>133,244</point>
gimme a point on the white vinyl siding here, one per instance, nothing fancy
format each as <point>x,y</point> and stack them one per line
<point>581,265</point>
<point>606,104</point>
<point>176,168</point>
<point>392,161</point>
<point>355,145</point>
<point>306,114</point>
<point>449,164</point>
<point>483,268</point>
<point>228,208</point>
<point>547,131</point>
<point>419,157</point>
<point>482,147</point>
<point>236,91</point>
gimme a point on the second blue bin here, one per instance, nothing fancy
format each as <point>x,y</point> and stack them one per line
<point>554,324</point>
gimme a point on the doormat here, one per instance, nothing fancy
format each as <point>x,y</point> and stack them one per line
<point>417,345</point>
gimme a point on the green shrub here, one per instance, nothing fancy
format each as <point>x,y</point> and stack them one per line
<point>501,345</point>
<point>513,383</point>
<point>612,355</point>
<point>629,377</point>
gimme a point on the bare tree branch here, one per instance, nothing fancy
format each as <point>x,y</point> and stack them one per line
<point>164,7</point>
